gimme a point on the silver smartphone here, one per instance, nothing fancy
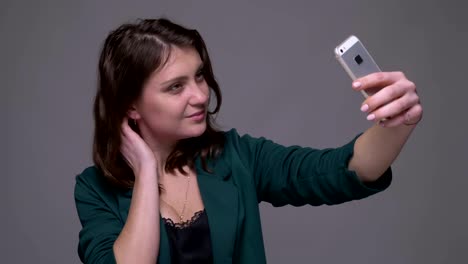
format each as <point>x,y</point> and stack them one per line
<point>356,60</point>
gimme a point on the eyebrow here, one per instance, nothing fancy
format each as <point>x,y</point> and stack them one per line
<point>182,78</point>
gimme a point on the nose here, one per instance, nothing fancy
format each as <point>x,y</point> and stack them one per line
<point>199,94</point>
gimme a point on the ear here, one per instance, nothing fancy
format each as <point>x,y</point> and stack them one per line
<point>132,113</point>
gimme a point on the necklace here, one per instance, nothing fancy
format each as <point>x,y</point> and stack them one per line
<point>181,215</point>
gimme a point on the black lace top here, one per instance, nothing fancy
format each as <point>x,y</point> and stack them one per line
<point>190,241</point>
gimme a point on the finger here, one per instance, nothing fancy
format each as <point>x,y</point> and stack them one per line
<point>125,154</point>
<point>125,147</point>
<point>394,121</point>
<point>124,124</point>
<point>377,79</point>
<point>125,120</point>
<point>127,131</point>
<point>394,108</point>
<point>125,139</point>
<point>383,97</point>
<point>412,115</point>
<point>123,134</point>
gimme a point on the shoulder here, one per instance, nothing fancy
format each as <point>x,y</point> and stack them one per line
<point>246,143</point>
<point>90,176</point>
<point>245,147</point>
<point>236,143</point>
<point>233,139</point>
<point>91,180</point>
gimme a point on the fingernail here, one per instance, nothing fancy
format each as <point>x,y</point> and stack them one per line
<point>356,85</point>
<point>371,117</point>
<point>364,108</point>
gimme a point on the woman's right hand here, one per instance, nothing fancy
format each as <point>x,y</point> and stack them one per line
<point>136,152</point>
<point>138,241</point>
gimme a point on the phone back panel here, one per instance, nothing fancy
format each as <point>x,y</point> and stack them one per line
<point>349,61</point>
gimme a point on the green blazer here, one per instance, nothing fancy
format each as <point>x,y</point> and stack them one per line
<point>248,171</point>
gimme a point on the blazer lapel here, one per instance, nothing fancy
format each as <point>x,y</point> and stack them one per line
<point>164,250</point>
<point>220,198</point>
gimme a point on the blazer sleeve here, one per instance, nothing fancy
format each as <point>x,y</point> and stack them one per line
<point>100,225</point>
<point>297,175</point>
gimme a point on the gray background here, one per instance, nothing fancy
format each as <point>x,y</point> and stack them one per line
<point>279,78</point>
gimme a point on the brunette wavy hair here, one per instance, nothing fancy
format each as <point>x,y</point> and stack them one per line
<point>130,54</point>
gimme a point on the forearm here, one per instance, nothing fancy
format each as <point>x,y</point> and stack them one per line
<point>138,241</point>
<point>376,149</point>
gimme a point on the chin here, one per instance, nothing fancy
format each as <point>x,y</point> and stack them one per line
<point>195,130</point>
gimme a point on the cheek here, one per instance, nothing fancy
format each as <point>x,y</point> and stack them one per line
<point>152,108</point>
<point>167,111</point>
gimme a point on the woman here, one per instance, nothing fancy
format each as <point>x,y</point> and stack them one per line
<point>168,187</point>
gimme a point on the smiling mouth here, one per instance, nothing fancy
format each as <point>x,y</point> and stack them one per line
<point>199,113</point>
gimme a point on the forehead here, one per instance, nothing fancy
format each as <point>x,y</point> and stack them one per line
<point>181,61</point>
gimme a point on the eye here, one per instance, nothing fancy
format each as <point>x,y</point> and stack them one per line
<point>175,87</point>
<point>200,76</point>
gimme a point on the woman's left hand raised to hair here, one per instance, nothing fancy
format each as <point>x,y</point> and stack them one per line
<point>394,97</point>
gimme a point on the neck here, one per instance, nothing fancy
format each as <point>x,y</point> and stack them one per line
<point>161,151</point>
<point>161,146</point>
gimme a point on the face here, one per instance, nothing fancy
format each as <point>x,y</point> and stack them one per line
<point>174,101</point>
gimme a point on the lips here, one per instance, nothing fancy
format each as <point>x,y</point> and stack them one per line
<point>197,113</point>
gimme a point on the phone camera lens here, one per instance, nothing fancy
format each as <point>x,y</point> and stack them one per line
<point>358,59</point>
<point>341,50</point>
